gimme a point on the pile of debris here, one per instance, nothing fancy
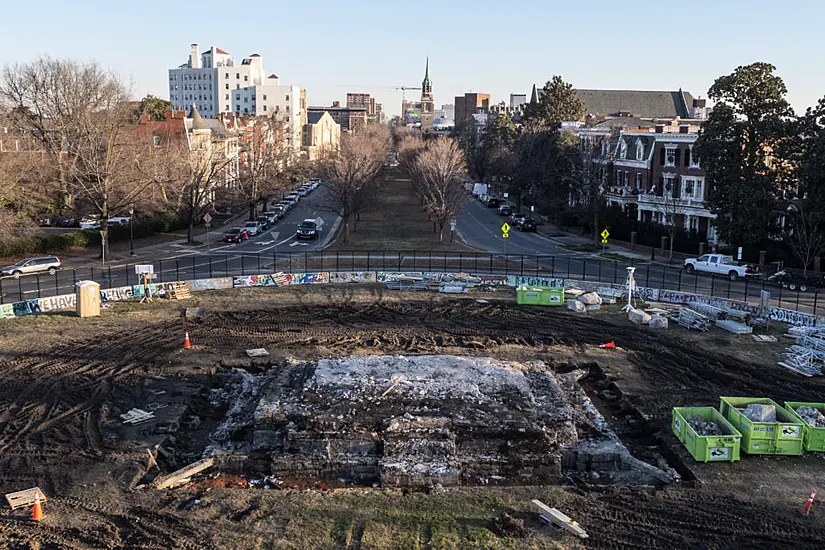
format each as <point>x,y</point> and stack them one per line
<point>589,301</point>
<point>812,416</point>
<point>702,427</point>
<point>756,412</point>
<point>807,356</point>
<point>693,320</point>
<point>506,526</point>
<point>709,311</point>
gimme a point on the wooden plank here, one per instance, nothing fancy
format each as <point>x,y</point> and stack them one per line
<point>22,499</point>
<point>257,352</point>
<point>797,371</point>
<point>560,519</point>
<point>181,475</point>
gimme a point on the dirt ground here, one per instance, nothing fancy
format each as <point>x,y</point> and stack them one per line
<point>396,222</point>
<point>66,381</point>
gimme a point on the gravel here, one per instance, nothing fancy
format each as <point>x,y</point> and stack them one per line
<point>702,427</point>
<point>812,416</point>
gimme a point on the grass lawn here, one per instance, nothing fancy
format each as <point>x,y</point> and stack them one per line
<point>396,222</point>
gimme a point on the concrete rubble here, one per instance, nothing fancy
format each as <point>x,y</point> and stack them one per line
<point>638,317</point>
<point>590,299</point>
<point>759,413</point>
<point>702,427</point>
<point>657,322</point>
<point>812,416</point>
<point>418,421</point>
<point>575,305</point>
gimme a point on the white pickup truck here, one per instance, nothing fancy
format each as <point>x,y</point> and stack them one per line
<point>720,264</point>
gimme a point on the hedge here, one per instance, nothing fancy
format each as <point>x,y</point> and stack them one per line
<point>47,244</point>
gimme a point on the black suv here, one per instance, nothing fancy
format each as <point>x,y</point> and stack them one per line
<point>307,229</point>
<point>793,281</point>
<point>526,224</point>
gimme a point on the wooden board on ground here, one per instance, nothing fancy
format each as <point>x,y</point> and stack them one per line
<point>25,498</point>
<point>179,293</point>
<point>179,476</point>
<point>257,352</point>
<point>764,338</point>
<point>136,416</point>
<point>561,520</point>
<point>797,371</point>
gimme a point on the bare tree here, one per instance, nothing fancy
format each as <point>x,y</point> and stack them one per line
<point>352,175</point>
<point>79,113</point>
<point>438,172</point>
<point>670,208</point>
<point>264,163</point>
<point>203,170</point>
<point>807,239</point>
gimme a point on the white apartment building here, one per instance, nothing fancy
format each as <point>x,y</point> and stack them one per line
<point>285,103</point>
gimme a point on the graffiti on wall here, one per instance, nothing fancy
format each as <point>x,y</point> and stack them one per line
<point>676,297</point>
<point>253,281</point>
<point>6,310</point>
<point>647,294</point>
<point>217,283</point>
<point>155,289</point>
<point>494,280</point>
<point>352,277</point>
<point>117,294</point>
<point>792,317</point>
<point>54,303</point>
<point>518,280</point>
<point>307,278</point>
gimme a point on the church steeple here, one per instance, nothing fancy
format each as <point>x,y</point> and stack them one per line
<point>426,85</point>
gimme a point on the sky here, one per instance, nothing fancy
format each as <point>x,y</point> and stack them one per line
<point>331,48</point>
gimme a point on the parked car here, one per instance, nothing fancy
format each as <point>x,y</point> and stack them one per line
<point>721,265</point>
<point>253,228</point>
<point>272,215</point>
<point>526,224</point>
<point>307,229</point>
<point>795,281</point>
<point>303,192</point>
<point>504,210</point>
<point>236,235</point>
<point>89,222</point>
<point>516,218</point>
<point>294,196</point>
<point>492,202</point>
<point>29,266</point>
<point>287,205</point>
<point>265,223</point>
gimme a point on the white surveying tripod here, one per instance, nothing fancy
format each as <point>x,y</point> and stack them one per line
<point>631,289</point>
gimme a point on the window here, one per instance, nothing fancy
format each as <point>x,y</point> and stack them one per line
<point>687,155</point>
<point>667,181</point>
<point>264,97</point>
<point>694,160</point>
<point>237,97</point>
<point>264,108</point>
<point>237,86</point>
<point>227,86</point>
<point>246,99</point>
<point>638,180</point>
<point>287,98</point>
<point>226,108</point>
<point>227,76</point>
<point>245,78</point>
<point>238,76</point>
<point>640,150</point>
<point>227,96</point>
<point>156,141</point>
<point>623,149</point>
<point>669,157</point>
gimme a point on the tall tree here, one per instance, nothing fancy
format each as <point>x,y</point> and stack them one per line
<point>738,150</point>
<point>438,173</point>
<point>202,171</point>
<point>353,173</point>
<point>264,162</point>
<point>155,107</point>
<point>807,235</point>
<point>558,102</point>
<point>497,151</point>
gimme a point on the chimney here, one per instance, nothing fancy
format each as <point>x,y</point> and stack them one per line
<point>145,118</point>
<point>684,129</point>
<point>170,114</point>
<point>701,103</point>
<point>181,114</point>
<point>195,57</point>
<point>336,103</point>
<point>660,128</point>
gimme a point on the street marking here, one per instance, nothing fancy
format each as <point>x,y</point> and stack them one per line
<point>297,243</point>
<point>263,243</point>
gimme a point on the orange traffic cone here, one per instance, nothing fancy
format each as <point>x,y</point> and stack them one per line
<point>609,345</point>
<point>806,508</point>
<point>37,513</point>
<point>186,343</point>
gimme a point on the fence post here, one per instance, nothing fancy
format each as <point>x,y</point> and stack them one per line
<point>600,270</point>
<point>745,298</point>
<point>226,266</point>
<point>537,265</point>
<point>20,285</point>
<point>491,263</point>
<point>663,277</point>
<point>38,286</point>
<point>56,286</point>
<point>680,280</point>
<point>399,262</point>
<point>729,281</point>
<point>445,261</point>
<point>2,301</point>
<point>210,266</point>
<point>460,262</point>
<point>306,262</point>
<point>615,270</point>
<point>816,295</point>
<point>368,260</point>
<point>506,264</point>
<point>194,269</point>
<point>290,263</point>
<point>337,261</point>
<point>712,283</point>
<point>475,262</point>
<point>74,278</point>
<point>243,269</point>
<point>430,264</point>
<point>647,276</point>
<point>258,256</point>
<point>584,269</point>
<point>522,265</point>
<point>177,269</point>
<point>552,265</point>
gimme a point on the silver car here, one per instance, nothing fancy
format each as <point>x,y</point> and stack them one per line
<point>29,266</point>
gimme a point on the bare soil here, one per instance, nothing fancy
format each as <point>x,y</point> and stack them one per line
<point>66,381</point>
<point>396,222</point>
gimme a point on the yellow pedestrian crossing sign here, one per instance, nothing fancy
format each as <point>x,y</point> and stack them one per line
<point>505,228</point>
<point>605,235</point>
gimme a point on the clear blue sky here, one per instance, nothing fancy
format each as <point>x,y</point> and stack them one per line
<point>330,48</point>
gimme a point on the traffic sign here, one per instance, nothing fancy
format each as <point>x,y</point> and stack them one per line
<point>605,234</point>
<point>505,228</point>
<point>505,235</point>
<point>207,219</point>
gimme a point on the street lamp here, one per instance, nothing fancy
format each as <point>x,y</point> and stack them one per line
<point>131,230</point>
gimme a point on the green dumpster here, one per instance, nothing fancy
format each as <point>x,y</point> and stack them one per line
<point>813,437</point>
<point>721,448</point>
<point>540,296</point>
<point>783,437</point>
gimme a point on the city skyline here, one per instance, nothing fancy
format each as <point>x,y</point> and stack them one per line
<point>469,51</point>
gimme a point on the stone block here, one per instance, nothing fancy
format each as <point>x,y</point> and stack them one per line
<point>575,305</point>
<point>657,322</point>
<point>590,298</point>
<point>638,317</point>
